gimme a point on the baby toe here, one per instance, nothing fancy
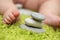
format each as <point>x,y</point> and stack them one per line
<point>8,18</point>
<point>16,13</point>
<point>6,21</point>
<point>11,16</point>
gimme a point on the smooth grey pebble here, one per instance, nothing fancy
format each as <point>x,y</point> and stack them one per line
<point>19,6</point>
<point>38,16</point>
<point>37,30</point>
<point>33,23</point>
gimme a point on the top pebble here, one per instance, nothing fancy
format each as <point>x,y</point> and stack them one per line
<point>38,16</point>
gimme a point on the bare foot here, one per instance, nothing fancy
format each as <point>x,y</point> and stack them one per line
<point>52,20</point>
<point>10,16</point>
<point>10,12</point>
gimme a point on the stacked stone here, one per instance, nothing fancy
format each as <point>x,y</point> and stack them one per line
<point>33,24</point>
<point>35,21</point>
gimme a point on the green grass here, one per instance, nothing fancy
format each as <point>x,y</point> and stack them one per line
<point>14,32</point>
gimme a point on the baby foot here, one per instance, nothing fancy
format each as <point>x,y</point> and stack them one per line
<point>53,20</point>
<point>10,16</point>
<point>9,11</point>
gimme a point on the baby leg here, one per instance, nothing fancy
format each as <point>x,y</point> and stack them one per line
<point>50,9</point>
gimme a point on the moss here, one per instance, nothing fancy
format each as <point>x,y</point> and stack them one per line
<point>14,32</point>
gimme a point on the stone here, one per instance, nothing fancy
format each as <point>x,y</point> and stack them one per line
<point>38,17</point>
<point>32,23</point>
<point>37,30</point>
<point>25,12</point>
<point>19,6</point>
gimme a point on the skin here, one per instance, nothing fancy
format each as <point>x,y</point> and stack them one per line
<point>49,8</point>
